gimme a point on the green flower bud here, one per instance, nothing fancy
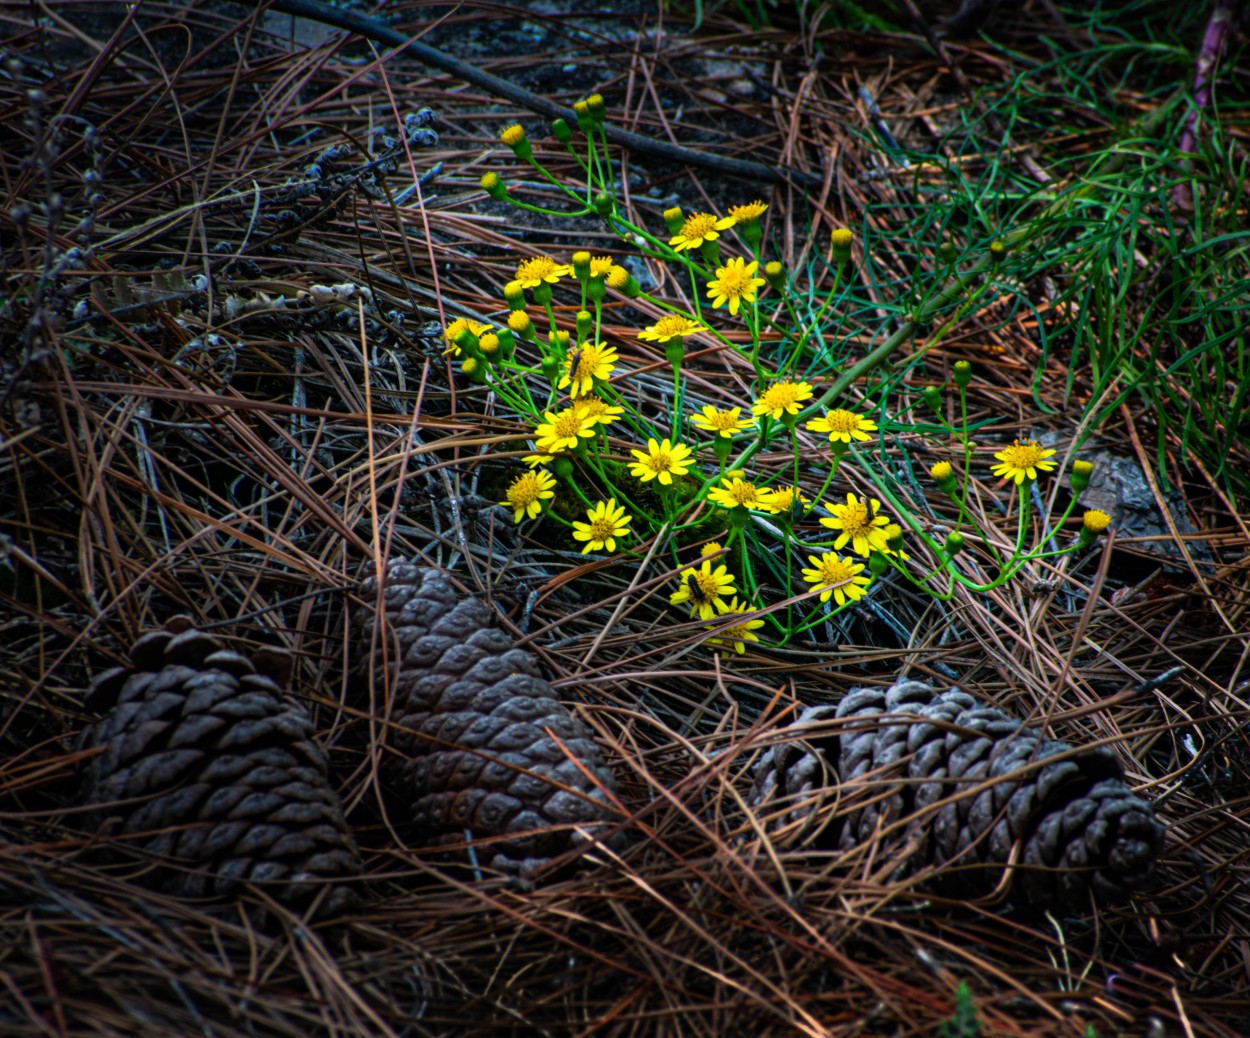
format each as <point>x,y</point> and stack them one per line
<point>673,219</point>
<point>598,108</point>
<point>878,564</point>
<point>514,137</point>
<point>775,275</point>
<point>514,296</point>
<point>998,251</point>
<point>603,204</point>
<point>560,130</point>
<point>494,187</point>
<point>550,366</point>
<point>467,341</point>
<point>585,121</point>
<point>944,476</point>
<point>1081,471</point>
<point>675,352</point>
<point>842,239</point>
<point>581,265</point>
<point>954,543</point>
<point>963,373</point>
<point>585,325</point>
<point>947,252</point>
<point>933,397</point>
<point>507,343</point>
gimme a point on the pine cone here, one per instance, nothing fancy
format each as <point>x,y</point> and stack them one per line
<point>982,792</point>
<point>203,754</point>
<point>487,747</point>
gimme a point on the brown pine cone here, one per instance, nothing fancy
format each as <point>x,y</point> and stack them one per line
<point>489,751</point>
<point>979,790</point>
<point>210,768</point>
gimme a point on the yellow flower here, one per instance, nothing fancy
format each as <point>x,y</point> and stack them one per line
<point>750,211</point>
<point>782,398</point>
<point>671,327</point>
<point>1095,520</point>
<point>698,228</point>
<point>859,523</point>
<point>837,575</point>
<point>841,237</point>
<point>735,283</point>
<point>597,410</point>
<point>894,541</point>
<point>462,324</point>
<point>527,493</point>
<point>1022,461</point>
<point>533,272</point>
<point>660,461</point>
<point>843,425</point>
<point>608,521</point>
<point>722,423</point>
<point>562,431</point>
<point>703,587</point>
<point>593,362</point>
<point>735,492</point>
<point>942,471</point>
<point>736,635</point>
<point>600,265</point>
<point>781,500</point>
<point>513,135</point>
<point>711,548</point>
<point>534,460</point>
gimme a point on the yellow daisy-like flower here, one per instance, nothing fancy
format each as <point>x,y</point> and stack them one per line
<point>562,431</point>
<point>838,576</point>
<point>513,134</point>
<point>593,362</point>
<point>1023,461</point>
<point>703,587</point>
<point>860,524</point>
<point>534,460</point>
<point>722,423</point>
<point>735,492</point>
<point>608,521</point>
<point>781,500</point>
<point>843,425</point>
<point>782,398</point>
<point>528,492</point>
<point>461,324</point>
<point>672,326</point>
<point>736,635</point>
<point>735,283</point>
<point>660,461</point>
<point>600,265</point>
<point>597,410</point>
<point>698,228</point>
<point>711,548</point>
<point>531,273</point>
<point>750,211</point>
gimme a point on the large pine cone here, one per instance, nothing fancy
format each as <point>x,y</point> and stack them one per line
<point>976,791</point>
<point>211,768</point>
<point>489,753</point>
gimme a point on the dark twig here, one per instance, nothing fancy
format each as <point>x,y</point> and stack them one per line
<point>1222,15</point>
<point>375,30</point>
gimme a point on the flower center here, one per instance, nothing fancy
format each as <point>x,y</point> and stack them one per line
<point>535,269</point>
<point>526,490</point>
<point>602,528</point>
<point>781,395</point>
<point>842,421</point>
<point>661,462</point>
<point>671,325</point>
<point>855,518</point>
<point>834,570</point>
<point>1024,455</point>
<point>734,281</point>
<point>567,425</point>
<point>698,225</point>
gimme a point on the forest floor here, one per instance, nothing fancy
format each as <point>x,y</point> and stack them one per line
<point>228,267</point>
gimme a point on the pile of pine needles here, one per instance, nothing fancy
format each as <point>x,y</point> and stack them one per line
<point>221,403</point>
